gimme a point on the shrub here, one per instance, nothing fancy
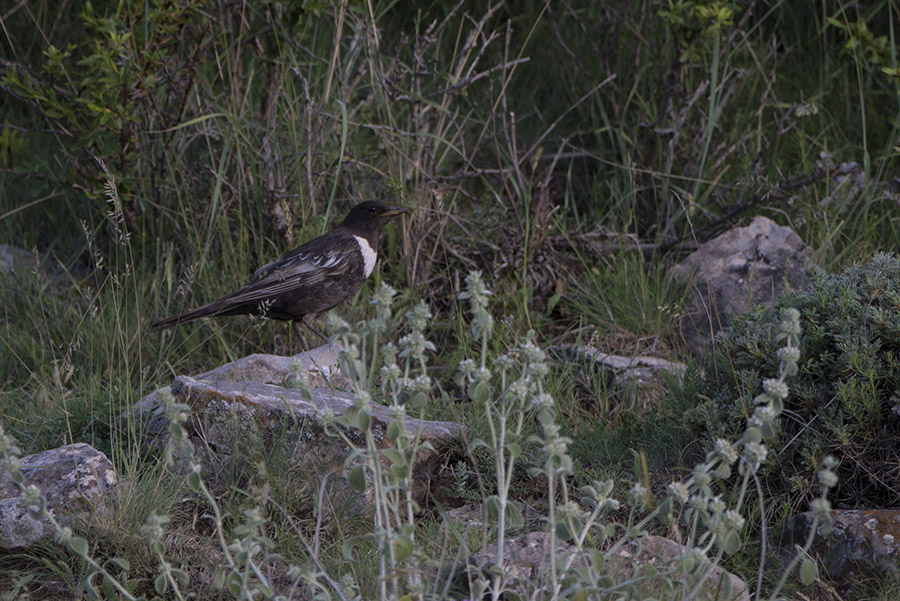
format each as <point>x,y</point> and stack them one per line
<point>845,401</point>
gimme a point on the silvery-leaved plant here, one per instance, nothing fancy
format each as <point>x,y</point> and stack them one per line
<point>386,472</point>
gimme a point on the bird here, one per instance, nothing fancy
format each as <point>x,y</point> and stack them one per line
<point>310,279</point>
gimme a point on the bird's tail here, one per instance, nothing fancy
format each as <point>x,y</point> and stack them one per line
<point>213,308</point>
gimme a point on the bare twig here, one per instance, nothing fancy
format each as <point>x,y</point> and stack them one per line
<point>779,191</point>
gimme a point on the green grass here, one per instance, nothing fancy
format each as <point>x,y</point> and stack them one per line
<point>628,299</point>
<point>228,143</point>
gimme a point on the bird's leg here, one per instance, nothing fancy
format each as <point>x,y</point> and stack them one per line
<point>308,322</point>
<point>303,346</point>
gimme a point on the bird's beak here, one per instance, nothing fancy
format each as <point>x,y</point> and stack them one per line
<point>395,211</point>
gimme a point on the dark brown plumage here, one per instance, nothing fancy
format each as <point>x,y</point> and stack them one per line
<point>310,279</point>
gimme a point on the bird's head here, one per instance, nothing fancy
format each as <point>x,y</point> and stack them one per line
<point>371,216</point>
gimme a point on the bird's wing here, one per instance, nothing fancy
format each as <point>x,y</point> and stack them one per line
<point>311,264</point>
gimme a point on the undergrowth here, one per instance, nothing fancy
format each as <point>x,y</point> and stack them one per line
<point>582,522</point>
<point>845,395</point>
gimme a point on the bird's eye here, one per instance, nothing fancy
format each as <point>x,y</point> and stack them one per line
<point>371,209</point>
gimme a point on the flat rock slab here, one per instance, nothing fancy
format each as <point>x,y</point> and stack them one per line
<point>862,544</point>
<point>318,367</point>
<point>268,401</point>
<point>243,420</point>
<point>253,407</point>
<point>73,478</point>
<point>742,268</point>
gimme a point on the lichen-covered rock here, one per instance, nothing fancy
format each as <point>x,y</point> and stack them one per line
<point>318,368</point>
<point>666,555</point>
<point>862,543</point>
<point>527,563</point>
<point>235,423</point>
<point>742,268</point>
<point>72,478</point>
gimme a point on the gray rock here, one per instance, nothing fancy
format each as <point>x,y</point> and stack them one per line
<point>666,554</point>
<point>863,543</point>
<point>73,479</point>
<point>641,372</point>
<point>527,564</point>
<point>740,269</point>
<point>12,258</point>
<point>318,366</point>
<point>237,421</point>
<point>526,559</point>
<point>467,516</point>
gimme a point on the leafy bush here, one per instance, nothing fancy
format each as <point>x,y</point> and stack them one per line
<point>845,401</point>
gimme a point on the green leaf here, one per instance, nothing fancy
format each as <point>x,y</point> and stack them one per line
<point>119,562</point>
<point>752,435</point>
<point>363,420</point>
<point>563,532</point>
<point>393,431</point>
<point>78,545</point>
<point>808,571</point>
<point>193,482</point>
<point>492,505</point>
<point>181,576</point>
<point>218,579</point>
<point>403,548</point>
<point>349,544</point>
<point>188,123</point>
<point>265,589</point>
<point>478,442</point>
<point>552,302</point>
<point>234,582</point>
<point>160,584</point>
<point>514,518</point>
<point>480,392</point>
<point>394,456</point>
<point>731,543</point>
<point>418,400</point>
<point>665,512</point>
<point>89,587</point>
<point>826,526</point>
<point>357,478</point>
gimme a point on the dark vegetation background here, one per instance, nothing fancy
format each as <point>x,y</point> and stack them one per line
<point>152,154</point>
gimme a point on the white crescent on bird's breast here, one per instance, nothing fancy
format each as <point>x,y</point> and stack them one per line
<point>368,254</point>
